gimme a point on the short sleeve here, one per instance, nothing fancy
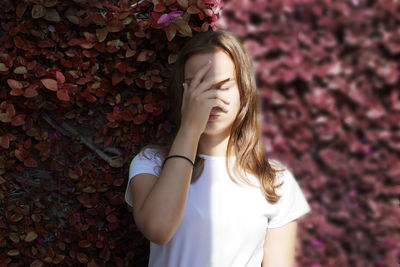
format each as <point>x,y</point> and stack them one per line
<point>292,204</point>
<point>149,162</point>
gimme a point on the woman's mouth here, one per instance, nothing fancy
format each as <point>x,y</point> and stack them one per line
<point>212,117</point>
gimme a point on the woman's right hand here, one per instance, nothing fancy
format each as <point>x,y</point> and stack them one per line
<point>200,97</point>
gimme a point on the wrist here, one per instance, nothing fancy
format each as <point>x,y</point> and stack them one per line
<point>189,133</point>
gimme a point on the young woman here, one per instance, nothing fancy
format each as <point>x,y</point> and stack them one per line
<point>209,196</point>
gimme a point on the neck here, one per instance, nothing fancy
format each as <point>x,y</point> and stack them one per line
<point>213,145</point>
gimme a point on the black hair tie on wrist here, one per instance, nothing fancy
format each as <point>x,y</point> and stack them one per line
<point>179,156</point>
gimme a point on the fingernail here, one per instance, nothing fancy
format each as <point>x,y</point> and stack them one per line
<point>209,62</point>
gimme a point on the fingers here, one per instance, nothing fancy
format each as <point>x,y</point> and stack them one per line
<point>213,80</point>
<point>216,93</point>
<point>185,87</point>
<point>216,102</point>
<point>199,75</point>
<point>199,85</point>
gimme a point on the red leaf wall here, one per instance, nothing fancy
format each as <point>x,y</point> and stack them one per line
<point>83,87</point>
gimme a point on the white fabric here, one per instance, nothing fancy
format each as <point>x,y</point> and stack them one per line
<point>224,224</point>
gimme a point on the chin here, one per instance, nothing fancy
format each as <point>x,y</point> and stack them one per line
<point>215,130</point>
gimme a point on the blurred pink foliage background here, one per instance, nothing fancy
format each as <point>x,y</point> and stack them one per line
<point>328,72</point>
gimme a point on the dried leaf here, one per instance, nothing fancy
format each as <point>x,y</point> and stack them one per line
<point>193,9</point>
<point>74,41</point>
<point>96,18</point>
<point>115,25</point>
<point>86,44</point>
<point>183,3</point>
<point>14,237</point>
<point>170,31</point>
<point>30,236</point>
<point>52,15</point>
<point>4,142</point>
<point>30,163</point>
<point>46,43</point>
<point>20,10</point>
<point>36,217</point>
<point>116,162</point>
<point>18,120</point>
<point>92,263</point>
<point>112,218</point>
<point>20,70</point>
<point>118,182</point>
<point>84,244</point>
<point>14,84</point>
<point>63,95</point>
<point>3,67</point>
<point>60,77</point>
<point>38,11</point>
<point>148,108</point>
<point>16,92</point>
<point>31,91</point>
<point>144,55</point>
<point>73,19</point>
<point>36,263</point>
<point>117,77</point>
<point>89,189</point>
<point>148,84</point>
<point>130,53</point>
<point>159,8</point>
<point>81,257</point>
<point>58,259</point>
<point>140,119</point>
<point>101,34</point>
<point>50,84</point>
<point>13,252</point>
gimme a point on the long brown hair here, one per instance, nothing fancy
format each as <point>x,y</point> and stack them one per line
<point>245,137</point>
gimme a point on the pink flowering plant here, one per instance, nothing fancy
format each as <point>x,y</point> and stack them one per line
<point>183,17</point>
<point>166,18</point>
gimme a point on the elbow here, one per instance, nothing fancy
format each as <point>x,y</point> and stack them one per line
<point>156,234</point>
<point>159,237</point>
<point>161,241</point>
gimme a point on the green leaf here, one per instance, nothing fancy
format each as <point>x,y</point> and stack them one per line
<point>38,11</point>
<point>30,236</point>
<point>52,15</point>
<point>183,26</point>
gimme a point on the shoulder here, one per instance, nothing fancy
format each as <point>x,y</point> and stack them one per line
<point>277,164</point>
<point>147,156</point>
<point>150,153</point>
<point>280,169</point>
<point>147,160</point>
<point>283,173</point>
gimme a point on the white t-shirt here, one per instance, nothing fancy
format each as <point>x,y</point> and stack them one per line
<point>224,225</point>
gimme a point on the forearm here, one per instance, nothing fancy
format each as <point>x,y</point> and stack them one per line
<point>164,207</point>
